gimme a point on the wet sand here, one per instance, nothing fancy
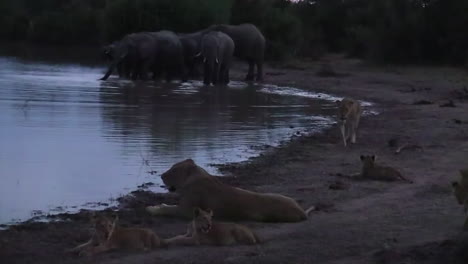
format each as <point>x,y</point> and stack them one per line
<point>356,222</point>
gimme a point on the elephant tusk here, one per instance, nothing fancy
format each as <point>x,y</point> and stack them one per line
<point>197,55</point>
<point>204,60</point>
<point>217,61</point>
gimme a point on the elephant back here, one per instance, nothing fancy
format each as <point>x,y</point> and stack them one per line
<point>249,41</point>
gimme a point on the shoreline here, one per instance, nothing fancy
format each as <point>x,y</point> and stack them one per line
<point>355,221</point>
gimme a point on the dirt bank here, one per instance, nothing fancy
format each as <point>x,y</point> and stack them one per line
<point>358,221</point>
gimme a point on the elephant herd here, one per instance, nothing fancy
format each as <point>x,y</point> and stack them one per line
<point>170,55</point>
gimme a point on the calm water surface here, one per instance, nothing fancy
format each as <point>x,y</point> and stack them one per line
<point>68,140</point>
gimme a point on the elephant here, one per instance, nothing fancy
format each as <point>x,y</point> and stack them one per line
<point>136,50</point>
<point>123,68</point>
<point>191,45</point>
<point>159,52</point>
<point>169,55</point>
<point>217,49</point>
<point>250,45</point>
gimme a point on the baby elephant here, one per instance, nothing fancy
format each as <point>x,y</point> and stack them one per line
<point>204,231</point>
<point>217,50</point>
<point>372,171</point>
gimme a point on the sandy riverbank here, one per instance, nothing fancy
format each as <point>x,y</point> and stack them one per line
<point>360,222</point>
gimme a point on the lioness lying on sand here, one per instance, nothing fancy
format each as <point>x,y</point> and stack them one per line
<point>108,236</point>
<point>197,188</point>
<point>203,231</point>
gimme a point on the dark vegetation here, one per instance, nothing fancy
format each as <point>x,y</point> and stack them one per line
<point>399,31</point>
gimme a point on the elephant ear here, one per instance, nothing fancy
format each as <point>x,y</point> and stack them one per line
<point>123,55</point>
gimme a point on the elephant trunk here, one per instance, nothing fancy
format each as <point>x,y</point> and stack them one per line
<point>109,71</point>
<point>114,64</point>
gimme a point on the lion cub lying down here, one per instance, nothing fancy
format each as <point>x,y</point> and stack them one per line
<point>204,231</point>
<point>108,236</point>
<point>372,171</point>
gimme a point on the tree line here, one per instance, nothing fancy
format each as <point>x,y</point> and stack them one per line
<point>390,31</point>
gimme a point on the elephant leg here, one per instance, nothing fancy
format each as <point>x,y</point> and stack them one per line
<point>226,75</point>
<point>216,73</point>
<point>259,70</point>
<point>120,69</point>
<point>250,75</point>
<point>207,75</point>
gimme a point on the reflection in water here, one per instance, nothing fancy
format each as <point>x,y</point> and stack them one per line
<point>67,139</point>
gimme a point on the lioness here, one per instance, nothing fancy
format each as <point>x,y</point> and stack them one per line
<point>370,170</point>
<point>116,237</point>
<point>197,188</point>
<point>349,114</point>
<point>203,231</point>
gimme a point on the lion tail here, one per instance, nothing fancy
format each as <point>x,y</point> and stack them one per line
<point>310,209</point>
<point>406,180</point>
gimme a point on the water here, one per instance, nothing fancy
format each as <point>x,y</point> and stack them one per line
<point>68,140</point>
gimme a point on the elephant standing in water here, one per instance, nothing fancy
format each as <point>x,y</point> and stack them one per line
<point>250,45</point>
<point>139,53</point>
<point>217,50</point>
<point>191,46</point>
<point>169,56</point>
<point>123,67</point>
<point>136,50</point>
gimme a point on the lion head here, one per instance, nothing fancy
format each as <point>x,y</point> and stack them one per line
<point>103,224</point>
<point>181,173</point>
<point>345,108</point>
<point>202,220</point>
<point>368,161</point>
<point>460,187</point>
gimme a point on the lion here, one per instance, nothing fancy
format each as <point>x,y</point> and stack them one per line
<point>349,114</point>
<point>204,231</point>
<point>109,236</point>
<point>460,189</point>
<point>370,170</point>
<point>197,188</point>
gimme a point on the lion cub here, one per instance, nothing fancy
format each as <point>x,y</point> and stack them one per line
<point>349,114</point>
<point>370,170</point>
<point>460,189</point>
<point>203,231</point>
<point>111,236</point>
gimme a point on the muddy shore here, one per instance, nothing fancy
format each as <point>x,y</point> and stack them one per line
<point>356,221</point>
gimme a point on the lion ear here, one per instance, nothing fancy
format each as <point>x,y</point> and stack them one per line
<point>464,173</point>
<point>454,184</point>
<point>373,157</point>
<point>92,215</point>
<point>116,218</point>
<point>190,161</point>
<point>363,157</point>
<point>210,212</point>
<point>338,102</point>
<point>196,211</point>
